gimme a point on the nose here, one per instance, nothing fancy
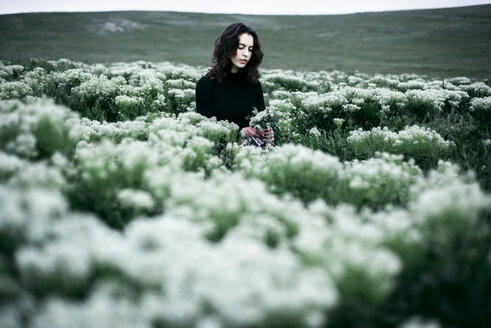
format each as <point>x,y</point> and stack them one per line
<point>246,52</point>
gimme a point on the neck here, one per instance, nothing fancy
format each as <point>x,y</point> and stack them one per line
<point>234,69</point>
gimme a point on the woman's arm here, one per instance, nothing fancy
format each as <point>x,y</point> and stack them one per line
<point>204,97</point>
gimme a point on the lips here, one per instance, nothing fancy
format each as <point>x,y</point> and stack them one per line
<point>243,61</point>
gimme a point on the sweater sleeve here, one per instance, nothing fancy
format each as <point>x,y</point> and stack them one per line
<point>260,97</point>
<point>204,97</point>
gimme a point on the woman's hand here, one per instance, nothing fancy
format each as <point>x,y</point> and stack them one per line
<point>251,132</point>
<point>269,134</point>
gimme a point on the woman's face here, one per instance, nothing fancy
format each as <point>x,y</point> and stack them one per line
<point>244,52</point>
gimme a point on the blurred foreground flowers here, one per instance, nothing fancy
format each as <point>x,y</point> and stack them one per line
<point>120,206</point>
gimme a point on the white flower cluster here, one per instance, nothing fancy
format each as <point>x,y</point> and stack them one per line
<point>378,181</point>
<point>40,127</point>
<point>98,87</point>
<point>125,102</point>
<point>14,90</point>
<point>416,322</point>
<point>164,257</point>
<point>379,171</point>
<point>289,81</point>
<point>413,141</point>
<point>133,89</point>
<point>481,105</point>
<point>310,175</point>
<point>478,89</point>
<point>9,70</point>
<point>324,102</point>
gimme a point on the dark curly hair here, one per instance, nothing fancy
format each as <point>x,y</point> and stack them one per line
<point>226,47</point>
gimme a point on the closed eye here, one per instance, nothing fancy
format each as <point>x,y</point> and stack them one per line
<point>242,46</point>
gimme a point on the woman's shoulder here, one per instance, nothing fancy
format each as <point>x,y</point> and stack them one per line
<point>205,81</point>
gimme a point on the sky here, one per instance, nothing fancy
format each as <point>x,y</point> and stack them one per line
<point>258,7</point>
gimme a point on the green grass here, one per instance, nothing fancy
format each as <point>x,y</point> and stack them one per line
<point>436,42</point>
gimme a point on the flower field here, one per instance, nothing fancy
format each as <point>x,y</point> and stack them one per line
<point>120,206</point>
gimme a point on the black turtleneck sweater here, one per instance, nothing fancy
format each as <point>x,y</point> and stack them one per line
<point>233,99</point>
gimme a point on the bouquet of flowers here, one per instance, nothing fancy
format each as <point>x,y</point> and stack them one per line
<point>263,121</point>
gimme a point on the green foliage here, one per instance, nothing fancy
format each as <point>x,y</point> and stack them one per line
<point>37,130</point>
<point>360,214</point>
<point>307,175</point>
<point>451,257</point>
<point>375,182</point>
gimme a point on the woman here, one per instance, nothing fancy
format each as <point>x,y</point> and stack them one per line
<point>231,88</point>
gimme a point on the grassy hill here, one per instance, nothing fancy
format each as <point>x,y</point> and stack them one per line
<point>436,42</point>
